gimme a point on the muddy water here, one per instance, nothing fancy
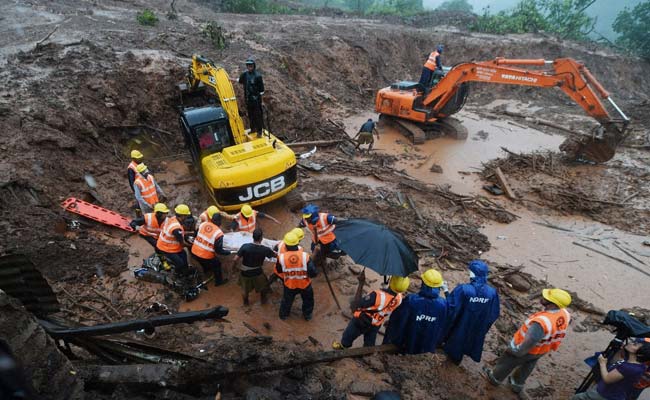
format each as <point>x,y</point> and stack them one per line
<point>457,157</point>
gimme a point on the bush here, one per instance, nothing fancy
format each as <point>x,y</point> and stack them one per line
<point>215,33</point>
<point>634,29</point>
<point>147,17</point>
<point>456,5</point>
<point>565,18</point>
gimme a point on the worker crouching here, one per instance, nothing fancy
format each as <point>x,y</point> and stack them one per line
<point>541,333</point>
<point>296,268</point>
<point>371,311</point>
<point>171,242</point>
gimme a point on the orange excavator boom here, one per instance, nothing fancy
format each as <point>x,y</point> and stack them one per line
<point>572,77</point>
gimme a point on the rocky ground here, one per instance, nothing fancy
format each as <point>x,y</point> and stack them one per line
<point>68,104</point>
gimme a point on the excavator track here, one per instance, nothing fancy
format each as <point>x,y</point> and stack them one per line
<point>452,127</point>
<point>420,133</point>
<point>411,130</point>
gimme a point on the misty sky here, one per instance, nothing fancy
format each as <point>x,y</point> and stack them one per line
<point>605,10</point>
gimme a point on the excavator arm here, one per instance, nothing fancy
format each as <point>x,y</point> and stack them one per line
<point>202,70</point>
<point>567,74</point>
<point>572,77</point>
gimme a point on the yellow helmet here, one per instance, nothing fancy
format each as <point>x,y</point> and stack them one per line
<point>290,239</point>
<point>432,278</point>
<point>182,209</point>
<point>160,207</point>
<point>246,210</point>
<point>559,297</point>
<point>212,210</point>
<point>306,216</point>
<point>299,233</point>
<point>136,154</point>
<point>399,284</point>
<point>141,168</point>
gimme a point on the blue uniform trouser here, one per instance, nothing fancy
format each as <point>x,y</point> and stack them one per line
<point>425,78</point>
<point>307,295</point>
<point>357,327</point>
<point>213,265</point>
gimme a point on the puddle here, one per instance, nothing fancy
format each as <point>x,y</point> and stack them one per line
<point>457,157</point>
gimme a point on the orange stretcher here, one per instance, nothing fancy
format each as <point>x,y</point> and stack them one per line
<point>97,213</point>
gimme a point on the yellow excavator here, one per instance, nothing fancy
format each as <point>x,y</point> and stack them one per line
<point>237,167</point>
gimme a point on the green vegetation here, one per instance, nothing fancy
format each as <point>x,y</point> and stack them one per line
<point>395,7</point>
<point>147,17</point>
<point>565,18</point>
<point>456,5</point>
<point>634,29</point>
<point>215,33</point>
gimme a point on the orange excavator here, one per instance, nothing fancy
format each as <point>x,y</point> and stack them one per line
<point>419,112</point>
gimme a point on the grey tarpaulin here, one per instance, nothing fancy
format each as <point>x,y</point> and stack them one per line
<point>377,247</point>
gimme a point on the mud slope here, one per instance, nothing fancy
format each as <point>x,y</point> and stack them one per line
<point>65,102</point>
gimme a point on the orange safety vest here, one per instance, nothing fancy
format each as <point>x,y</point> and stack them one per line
<point>133,166</point>
<point>246,225</point>
<point>203,245</point>
<point>147,189</point>
<point>294,268</point>
<point>167,241</point>
<point>431,61</point>
<point>151,226</point>
<point>324,229</point>
<point>554,324</point>
<point>385,304</point>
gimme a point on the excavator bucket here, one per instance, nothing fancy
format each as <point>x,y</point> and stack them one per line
<point>599,147</point>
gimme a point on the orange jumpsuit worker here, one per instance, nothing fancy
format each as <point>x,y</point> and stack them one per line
<point>297,268</point>
<point>171,241</point>
<point>146,189</point>
<point>151,223</point>
<point>131,171</point>
<point>246,219</point>
<point>433,64</point>
<point>208,243</point>
<point>541,333</point>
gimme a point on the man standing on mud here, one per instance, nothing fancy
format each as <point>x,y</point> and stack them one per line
<point>473,308</point>
<point>253,91</point>
<point>252,276</point>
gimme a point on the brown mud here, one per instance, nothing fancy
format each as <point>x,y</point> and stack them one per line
<point>63,102</point>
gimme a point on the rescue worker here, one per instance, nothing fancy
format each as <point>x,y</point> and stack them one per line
<point>131,171</point>
<point>151,223</point>
<point>365,134</point>
<point>208,243</point>
<point>473,308</point>
<point>246,219</point>
<point>281,248</point>
<point>295,265</point>
<point>322,226</point>
<point>371,311</point>
<point>541,333</point>
<point>253,92</point>
<point>147,191</point>
<point>203,217</point>
<point>171,241</point>
<point>251,274</point>
<point>419,324</point>
<point>431,66</point>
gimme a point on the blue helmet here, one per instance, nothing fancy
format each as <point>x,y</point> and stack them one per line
<point>479,268</point>
<point>440,48</point>
<point>310,211</point>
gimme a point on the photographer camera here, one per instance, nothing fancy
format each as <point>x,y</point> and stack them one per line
<point>618,378</point>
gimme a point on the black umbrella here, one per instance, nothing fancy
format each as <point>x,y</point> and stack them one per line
<point>377,247</point>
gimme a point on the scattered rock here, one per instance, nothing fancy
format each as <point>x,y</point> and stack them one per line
<point>518,282</point>
<point>362,388</point>
<point>436,169</point>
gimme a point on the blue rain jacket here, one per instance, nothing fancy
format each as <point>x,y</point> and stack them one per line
<point>473,308</point>
<point>420,322</point>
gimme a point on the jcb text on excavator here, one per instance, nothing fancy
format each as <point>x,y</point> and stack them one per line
<point>236,166</point>
<point>417,111</point>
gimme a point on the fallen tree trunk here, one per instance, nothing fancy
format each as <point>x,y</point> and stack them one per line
<point>177,375</point>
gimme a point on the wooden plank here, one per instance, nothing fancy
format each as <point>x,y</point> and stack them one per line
<point>504,184</point>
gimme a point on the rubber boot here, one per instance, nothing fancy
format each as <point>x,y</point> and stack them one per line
<point>245,298</point>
